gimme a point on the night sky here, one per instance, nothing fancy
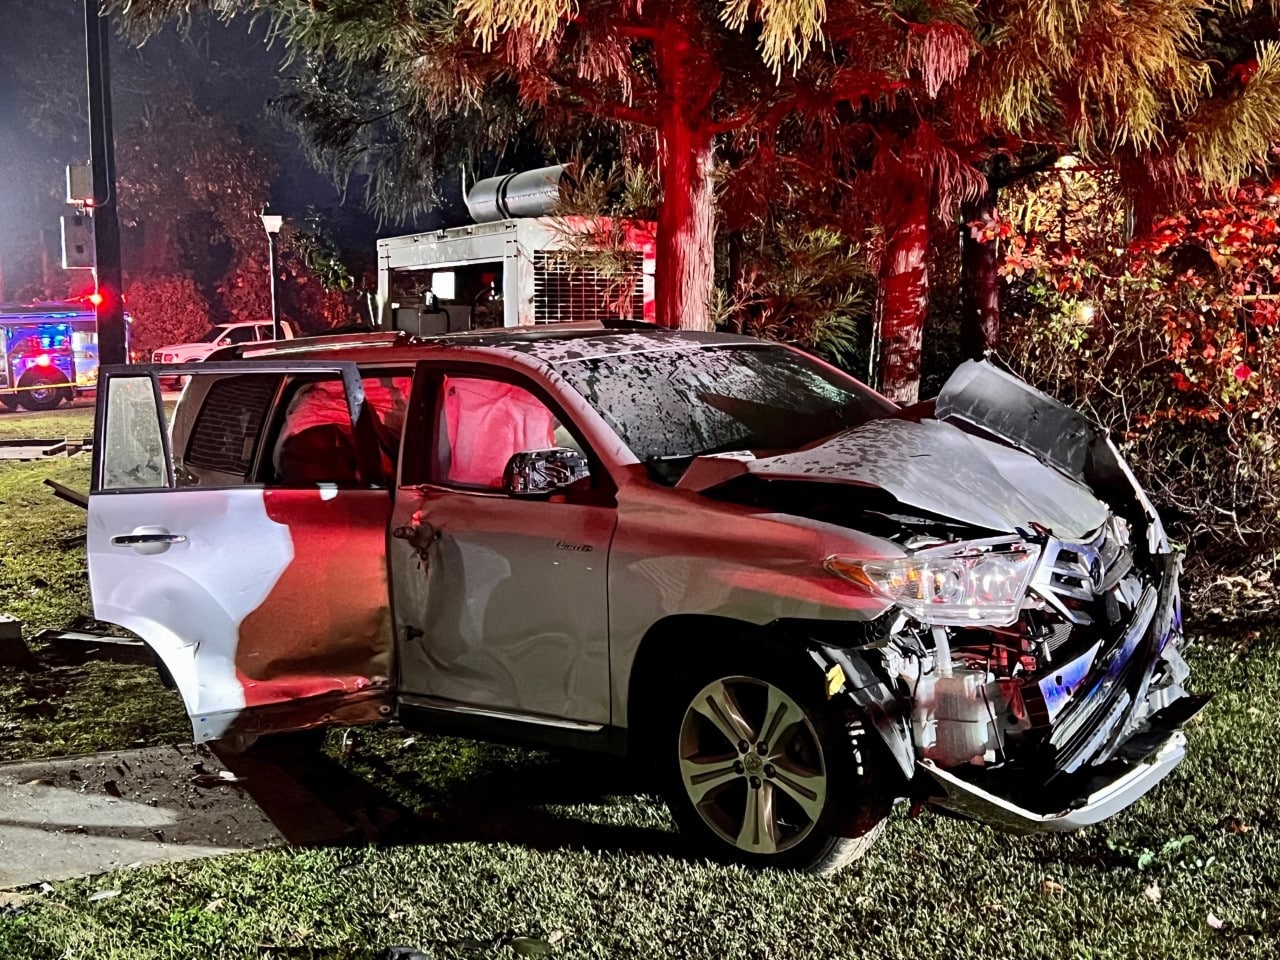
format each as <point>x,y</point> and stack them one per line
<point>230,71</point>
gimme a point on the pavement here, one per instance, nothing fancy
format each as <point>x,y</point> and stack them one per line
<point>81,816</point>
<point>87,815</point>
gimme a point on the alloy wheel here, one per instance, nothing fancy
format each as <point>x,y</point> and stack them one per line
<point>752,765</point>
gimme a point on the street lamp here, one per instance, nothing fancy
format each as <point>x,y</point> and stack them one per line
<point>272,223</point>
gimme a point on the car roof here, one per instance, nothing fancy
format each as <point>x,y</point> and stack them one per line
<point>552,346</point>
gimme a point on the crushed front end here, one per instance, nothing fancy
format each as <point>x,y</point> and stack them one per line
<point>1037,678</point>
<point>1065,716</point>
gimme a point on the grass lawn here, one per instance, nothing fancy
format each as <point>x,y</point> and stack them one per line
<point>63,422</point>
<point>496,843</point>
<point>64,709</point>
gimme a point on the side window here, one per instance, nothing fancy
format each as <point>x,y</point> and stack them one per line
<point>316,442</point>
<point>240,335</point>
<point>223,441</point>
<point>133,443</point>
<point>263,331</point>
<point>480,424</point>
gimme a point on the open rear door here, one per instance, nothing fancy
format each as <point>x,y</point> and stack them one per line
<point>264,595</point>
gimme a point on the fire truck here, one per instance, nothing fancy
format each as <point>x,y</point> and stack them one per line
<point>48,353</point>
<point>518,265</point>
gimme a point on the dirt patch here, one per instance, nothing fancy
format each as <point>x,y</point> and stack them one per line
<point>86,815</point>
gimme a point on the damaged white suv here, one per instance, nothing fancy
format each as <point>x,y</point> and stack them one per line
<point>791,600</point>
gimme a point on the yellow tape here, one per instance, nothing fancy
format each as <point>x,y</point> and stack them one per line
<point>79,385</point>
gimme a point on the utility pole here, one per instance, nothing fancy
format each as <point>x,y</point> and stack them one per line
<point>102,158</point>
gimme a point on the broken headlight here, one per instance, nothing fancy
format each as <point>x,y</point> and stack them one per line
<point>973,582</point>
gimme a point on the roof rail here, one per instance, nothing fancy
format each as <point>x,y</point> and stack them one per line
<point>308,343</point>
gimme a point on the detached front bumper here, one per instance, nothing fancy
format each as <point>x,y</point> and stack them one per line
<point>971,801</point>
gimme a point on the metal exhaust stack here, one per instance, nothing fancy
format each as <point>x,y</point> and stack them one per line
<point>533,193</point>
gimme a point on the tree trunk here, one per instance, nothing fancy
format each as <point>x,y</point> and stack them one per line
<point>979,280</point>
<point>904,295</point>
<point>686,161</point>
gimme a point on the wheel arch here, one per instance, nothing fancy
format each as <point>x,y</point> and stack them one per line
<point>661,646</point>
<point>49,374</point>
<point>861,681</point>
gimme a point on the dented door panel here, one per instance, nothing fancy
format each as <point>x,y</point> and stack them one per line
<point>502,602</point>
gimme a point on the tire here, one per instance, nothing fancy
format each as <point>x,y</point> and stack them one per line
<point>42,391</point>
<point>9,401</point>
<point>814,800</point>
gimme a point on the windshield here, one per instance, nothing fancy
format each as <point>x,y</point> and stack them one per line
<point>213,335</point>
<point>680,404</point>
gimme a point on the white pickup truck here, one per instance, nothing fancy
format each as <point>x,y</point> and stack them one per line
<point>221,335</point>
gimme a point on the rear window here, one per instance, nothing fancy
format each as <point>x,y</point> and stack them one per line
<point>226,431</point>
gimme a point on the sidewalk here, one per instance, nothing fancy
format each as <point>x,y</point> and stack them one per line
<point>86,815</point>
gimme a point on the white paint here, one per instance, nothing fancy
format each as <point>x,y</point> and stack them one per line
<point>188,602</point>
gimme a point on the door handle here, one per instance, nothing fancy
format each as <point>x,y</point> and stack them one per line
<point>148,541</point>
<point>137,539</point>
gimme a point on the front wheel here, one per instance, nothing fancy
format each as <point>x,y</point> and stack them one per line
<point>764,770</point>
<point>42,391</point>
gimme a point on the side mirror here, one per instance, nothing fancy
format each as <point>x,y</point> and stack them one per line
<point>535,473</point>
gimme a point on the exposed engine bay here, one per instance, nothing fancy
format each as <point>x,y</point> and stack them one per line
<point>990,696</point>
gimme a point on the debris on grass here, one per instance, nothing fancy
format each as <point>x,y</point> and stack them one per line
<point>530,946</point>
<point>404,953</point>
<point>14,651</point>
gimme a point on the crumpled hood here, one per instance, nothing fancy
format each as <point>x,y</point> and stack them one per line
<point>930,466</point>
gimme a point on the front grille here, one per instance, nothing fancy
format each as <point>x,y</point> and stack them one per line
<point>567,287</point>
<point>1073,576</point>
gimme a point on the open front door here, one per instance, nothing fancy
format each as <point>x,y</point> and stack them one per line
<point>246,543</point>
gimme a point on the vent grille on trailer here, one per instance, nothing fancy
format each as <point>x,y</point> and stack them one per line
<point>565,291</point>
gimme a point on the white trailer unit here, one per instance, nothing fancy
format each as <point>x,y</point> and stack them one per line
<point>516,270</point>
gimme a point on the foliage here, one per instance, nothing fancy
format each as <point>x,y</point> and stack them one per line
<point>191,192</point>
<point>892,111</point>
<point>1169,340</point>
<point>166,308</point>
<point>317,251</point>
<point>188,181</point>
<point>811,287</point>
